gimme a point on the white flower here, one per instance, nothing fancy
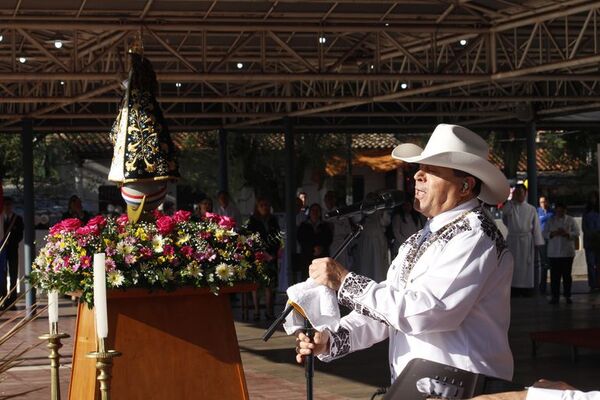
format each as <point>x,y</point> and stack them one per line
<point>115,278</point>
<point>224,271</point>
<point>166,274</point>
<point>194,270</point>
<point>157,243</point>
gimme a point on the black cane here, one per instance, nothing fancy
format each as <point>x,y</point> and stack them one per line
<point>309,361</point>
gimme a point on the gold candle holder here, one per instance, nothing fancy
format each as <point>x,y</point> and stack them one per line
<point>104,366</point>
<point>54,345</point>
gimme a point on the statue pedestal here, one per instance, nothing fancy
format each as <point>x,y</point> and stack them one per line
<point>175,345</point>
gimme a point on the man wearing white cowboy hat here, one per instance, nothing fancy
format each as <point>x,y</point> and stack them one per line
<point>447,293</point>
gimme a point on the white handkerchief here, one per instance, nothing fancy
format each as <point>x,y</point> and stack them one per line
<point>319,304</point>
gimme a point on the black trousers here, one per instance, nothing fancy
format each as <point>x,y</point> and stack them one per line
<point>560,267</point>
<point>12,267</point>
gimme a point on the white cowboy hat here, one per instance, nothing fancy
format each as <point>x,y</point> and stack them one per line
<point>453,146</point>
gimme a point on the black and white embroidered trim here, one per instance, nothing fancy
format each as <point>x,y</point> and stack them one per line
<point>439,238</point>
<point>339,343</point>
<point>353,287</point>
<point>491,230</point>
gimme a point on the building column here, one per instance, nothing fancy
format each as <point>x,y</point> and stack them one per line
<point>223,175</point>
<point>532,165</point>
<point>28,205</point>
<point>290,200</point>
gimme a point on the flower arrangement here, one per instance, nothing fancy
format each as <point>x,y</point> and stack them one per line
<point>164,253</point>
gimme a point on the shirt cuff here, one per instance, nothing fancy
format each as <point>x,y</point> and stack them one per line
<point>543,394</point>
<point>339,345</point>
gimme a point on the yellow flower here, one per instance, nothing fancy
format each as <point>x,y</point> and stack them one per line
<point>141,234</point>
<point>219,234</point>
<point>183,239</point>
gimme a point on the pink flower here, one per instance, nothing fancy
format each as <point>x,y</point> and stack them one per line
<point>129,259</point>
<point>204,235</point>
<point>110,251</point>
<point>122,220</point>
<point>165,225</point>
<point>181,216</point>
<point>85,230</point>
<point>96,224</point>
<point>66,225</point>
<point>187,251</point>
<point>85,261</point>
<point>227,222</point>
<point>157,214</point>
<point>110,264</point>
<point>168,250</point>
<point>98,220</point>
<point>146,252</point>
<point>212,217</point>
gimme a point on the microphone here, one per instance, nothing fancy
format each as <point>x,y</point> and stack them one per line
<point>382,200</point>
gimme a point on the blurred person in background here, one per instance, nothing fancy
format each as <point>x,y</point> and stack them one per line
<point>561,231</point>
<point>590,225</point>
<point>265,224</point>
<point>12,234</point>
<point>524,234</point>
<point>545,212</point>
<point>75,210</point>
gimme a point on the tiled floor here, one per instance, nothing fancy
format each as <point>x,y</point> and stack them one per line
<point>271,372</point>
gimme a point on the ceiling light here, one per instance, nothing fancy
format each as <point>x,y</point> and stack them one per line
<point>387,24</point>
<point>178,84</point>
<point>1,38</point>
<point>58,44</point>
<point>22,60</point>
<point>322,39</point>
<point>463,42</point>
<point>240,65</point>
<point>403,85</point>
<point>62,83</point>
<point>372,66</point>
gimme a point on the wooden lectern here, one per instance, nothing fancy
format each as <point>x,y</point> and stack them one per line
<point>176,345</point>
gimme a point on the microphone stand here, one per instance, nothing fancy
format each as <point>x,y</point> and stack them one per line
<point>309,363</point>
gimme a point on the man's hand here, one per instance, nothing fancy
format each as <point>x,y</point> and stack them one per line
<point>558,385</point>
<point>521,395</point>
<point>305,347</point>
<point>328,272</point>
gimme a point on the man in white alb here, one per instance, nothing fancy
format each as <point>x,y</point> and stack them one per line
<point>447,293</point>
<point>524,233</point>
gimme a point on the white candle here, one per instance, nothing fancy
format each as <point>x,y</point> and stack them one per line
<point>100,295</point>
<point>53,310</point>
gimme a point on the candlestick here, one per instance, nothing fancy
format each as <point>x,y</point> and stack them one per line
<point>104,366</point>
<point>100,296</point>
<point>54,345</point>
<point>53,311</point>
